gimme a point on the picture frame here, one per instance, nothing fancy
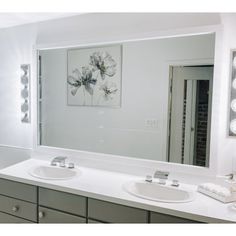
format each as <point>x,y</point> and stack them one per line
<point>94,76</point>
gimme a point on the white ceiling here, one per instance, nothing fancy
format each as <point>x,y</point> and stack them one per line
<point>13,19</point>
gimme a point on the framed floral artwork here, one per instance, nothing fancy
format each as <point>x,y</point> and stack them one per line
<point>94,76</point>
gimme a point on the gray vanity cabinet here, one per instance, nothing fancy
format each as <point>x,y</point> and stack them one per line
<point>61,207</point>
<point>47,215</point>
<point>101,211</point>
<point>18,202</point>
<point>163,218</point>
<point>114,213</point>
<point>6,218</point>
<point>90,221</point>
<point>23,203</point>
<point>18,190</point>
<point>19,208</point>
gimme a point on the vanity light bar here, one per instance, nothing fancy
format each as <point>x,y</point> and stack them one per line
<point>25,93</point>
<point>232,117</point>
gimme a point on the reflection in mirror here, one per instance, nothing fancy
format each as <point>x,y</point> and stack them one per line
<point>190,92</point>
<point>161,91</point>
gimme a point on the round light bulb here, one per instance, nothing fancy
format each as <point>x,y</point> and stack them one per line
<point>233,126</point>
<point>25,107</point>
<point>24,93</point>
<point>25,69</point>
<point>234,62</point>
<point>22,73</point>
<point>234,83</point>
<point>233,105</point>
<point>24,79</point>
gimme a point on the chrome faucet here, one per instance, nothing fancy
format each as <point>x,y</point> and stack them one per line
<point>60,160</point>
<point>162,176</point>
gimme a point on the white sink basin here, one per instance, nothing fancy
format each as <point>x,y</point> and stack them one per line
<point>52,173</point>
<point>157,192</point>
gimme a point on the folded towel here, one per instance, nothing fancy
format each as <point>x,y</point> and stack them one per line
<point>217,189</point>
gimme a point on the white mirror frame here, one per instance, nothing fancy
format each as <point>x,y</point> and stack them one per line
<point>130,164</point>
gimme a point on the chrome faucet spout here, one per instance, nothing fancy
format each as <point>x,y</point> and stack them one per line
<point>60,160</point>
<point>162,176</point>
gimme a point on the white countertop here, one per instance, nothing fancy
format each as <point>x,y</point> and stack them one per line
<point>108,186</point>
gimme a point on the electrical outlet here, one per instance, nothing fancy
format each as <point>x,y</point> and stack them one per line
<point>151,123</point>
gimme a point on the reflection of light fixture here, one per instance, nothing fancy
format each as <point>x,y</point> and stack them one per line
<point>25,92</point>
<point>234,62</point>
<point>233,126</point>
<point>24,80</point>
<point>234,83</point>
<point>233,105</point>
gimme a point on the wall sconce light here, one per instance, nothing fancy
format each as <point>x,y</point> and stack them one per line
<point>25,93</point>
<point>232,116</point>
<point>233,105</point>
<point>233,127</point>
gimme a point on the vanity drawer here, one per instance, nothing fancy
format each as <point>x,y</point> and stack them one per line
<point>18,208</point>
<point>53,216</point>
<point>6,218</point>
<point>63,201</point>
<point>18,190</point>
<point>115,213</point>
<point>163,218</point>
<point>94,222</point>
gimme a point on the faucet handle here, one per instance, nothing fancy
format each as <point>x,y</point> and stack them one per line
<point>231,179</point>
<point>148,178</point>
<point>62,164</point>
<point>230,176</point>
<point>53,163</point>
<point>175,183</point>
<point>71,165</point>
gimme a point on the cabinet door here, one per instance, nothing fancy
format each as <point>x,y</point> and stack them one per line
<point>115,213</point>
<point>162,218</point>
<point>18,190</point>
<point>53,216</point>
<point>62,201</point>
<point>90,221</point>
<point>6,218</point>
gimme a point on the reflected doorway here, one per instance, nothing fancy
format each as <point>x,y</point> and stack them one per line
<point>189,114</point>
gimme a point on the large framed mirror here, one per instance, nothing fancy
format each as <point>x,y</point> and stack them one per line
<point>147,99</point>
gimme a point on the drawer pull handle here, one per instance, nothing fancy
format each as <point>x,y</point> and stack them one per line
<point>15,208</point>
<point>41,214</point>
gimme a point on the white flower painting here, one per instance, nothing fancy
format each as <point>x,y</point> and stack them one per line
<point>94,76</point>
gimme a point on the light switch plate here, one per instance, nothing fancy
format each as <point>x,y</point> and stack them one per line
<point>151,123</point>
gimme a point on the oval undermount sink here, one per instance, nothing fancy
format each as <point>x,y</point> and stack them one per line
<point>52,172</point>
<point>156,192</point>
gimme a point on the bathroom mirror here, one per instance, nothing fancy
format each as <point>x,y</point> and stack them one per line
<point>148,99</point>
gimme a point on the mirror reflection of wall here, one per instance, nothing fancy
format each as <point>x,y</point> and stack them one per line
<point>139,127</point>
